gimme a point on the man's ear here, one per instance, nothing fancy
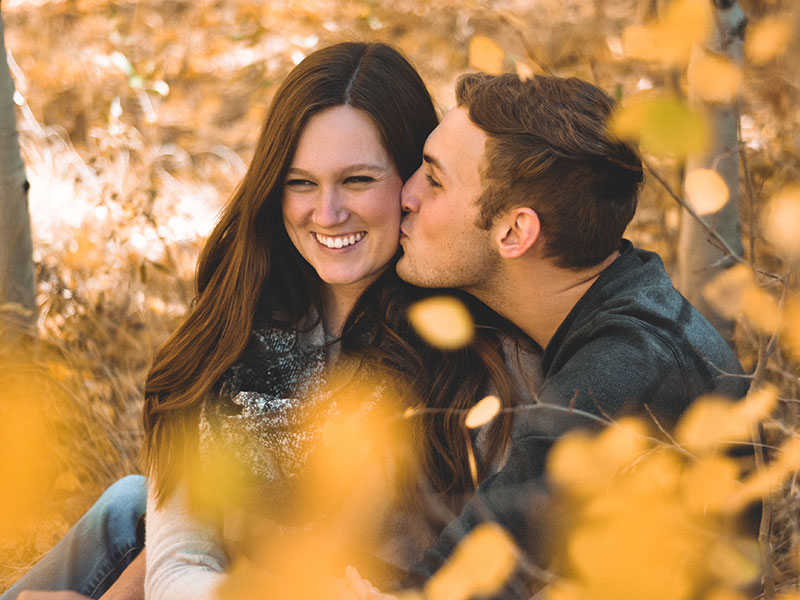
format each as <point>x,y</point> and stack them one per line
<point>516,231</point>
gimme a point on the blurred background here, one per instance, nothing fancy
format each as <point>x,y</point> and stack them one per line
<point>136,120</point>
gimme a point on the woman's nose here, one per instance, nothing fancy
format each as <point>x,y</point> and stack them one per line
<point>332,208</point>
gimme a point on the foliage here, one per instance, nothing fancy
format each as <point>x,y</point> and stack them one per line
<point>136,119</point>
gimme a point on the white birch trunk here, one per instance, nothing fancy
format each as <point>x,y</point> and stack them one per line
<point>17,286</point>
<point>699,260</point>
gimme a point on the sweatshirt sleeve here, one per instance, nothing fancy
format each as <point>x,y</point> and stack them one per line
<point>594,386</point>
<point>185,560</point>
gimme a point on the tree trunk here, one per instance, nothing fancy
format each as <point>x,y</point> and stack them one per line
<point>17,286</point>
<point>699,260</point>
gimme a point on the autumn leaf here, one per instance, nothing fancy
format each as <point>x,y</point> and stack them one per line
<point>686,24</point>
<point>706,191</point>
<point>737,562</point>
<point>671,39</point>
<point>712,420</point>
<point>524,69</point>
<point>725,593</point>
<point>639,42</point>
<point>708,483</point>
<point>761,310</point>
<point>790,332</point>
<point>443,321</point>
<point>781,222</point>
<point>661,125</point>
<point>714,78</point>
<point>484,411</point>
<point>583,464</point>
<point>767,39</point>
<point>725,293</point>
<point>479,566</point>
<point>485,55</point>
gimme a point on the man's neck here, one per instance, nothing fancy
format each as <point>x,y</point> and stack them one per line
<point>537,298</point>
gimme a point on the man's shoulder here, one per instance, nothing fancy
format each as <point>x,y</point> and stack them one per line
<point>637,299</point>
<point>635,339</point>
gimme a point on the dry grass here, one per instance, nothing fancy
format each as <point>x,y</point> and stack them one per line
<point>137,121</point>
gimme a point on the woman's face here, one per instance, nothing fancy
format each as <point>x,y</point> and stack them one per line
<point>341,199</point>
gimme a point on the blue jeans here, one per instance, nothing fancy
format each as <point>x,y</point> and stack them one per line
<point>97,549</point>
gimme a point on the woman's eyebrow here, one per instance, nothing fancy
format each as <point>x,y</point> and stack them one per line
<point>347,169</point>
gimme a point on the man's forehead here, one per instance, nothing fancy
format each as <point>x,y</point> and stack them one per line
<point>457,144</point>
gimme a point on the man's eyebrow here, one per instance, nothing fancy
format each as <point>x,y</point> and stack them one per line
<point>432,160</point>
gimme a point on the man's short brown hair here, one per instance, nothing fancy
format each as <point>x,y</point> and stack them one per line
<point>549,149</point>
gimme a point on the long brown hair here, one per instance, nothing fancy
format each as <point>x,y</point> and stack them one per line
<point>249,267</point>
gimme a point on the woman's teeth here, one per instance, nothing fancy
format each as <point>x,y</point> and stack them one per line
<point>339,241</point>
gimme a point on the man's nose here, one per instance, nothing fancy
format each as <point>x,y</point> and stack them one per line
<point>332,208</point>
<point>409,199</point>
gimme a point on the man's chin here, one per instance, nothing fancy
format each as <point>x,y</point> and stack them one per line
<point>406,272</point>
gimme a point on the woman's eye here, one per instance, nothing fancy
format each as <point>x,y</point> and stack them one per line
<point>359,179</point>
<point>299,183</point>
<point>432,182</point>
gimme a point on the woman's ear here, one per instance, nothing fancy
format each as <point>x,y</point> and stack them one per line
<point>516,231</point>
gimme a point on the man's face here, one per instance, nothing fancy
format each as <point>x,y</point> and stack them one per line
<point>442,244</point>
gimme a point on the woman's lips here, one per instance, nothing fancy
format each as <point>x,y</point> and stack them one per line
<point>339,241</point>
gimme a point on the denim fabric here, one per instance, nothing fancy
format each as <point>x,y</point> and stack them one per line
<point>97,549</point>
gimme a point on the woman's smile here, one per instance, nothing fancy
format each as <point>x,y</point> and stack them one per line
<point>341,200</point>
<point>339,241</point>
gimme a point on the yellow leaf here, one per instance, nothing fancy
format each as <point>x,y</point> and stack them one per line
<point>443,321</point>
<point>671,39</point>
<point>709,482</point>
<point>767,39</point>
<point>409,595</point>
<point>757,405</point>
<point>686,23</point>
<point>709,421</point>
<point>583,464</point>
<point>736,562</point>
<point>638,42</point>
<point>479,566</point>
<point>657,545</point>
<point>621,443</point>
<point>790,332</point>
<point>724,593</point>
<point>411,411</point>
<point>725,293</point>
<point>781,222</point>
<point>484,411</point>
<point>565,590</point>
<point>67,482</point>
<point>706,191</point>
<point>714,78</point>
<point>569,463</point>
<point>764,481</point>
<point>761,310</point>
<point>789,457</point>
<point>661,125</point>
<point>524,69</point>
<point>485,55</point>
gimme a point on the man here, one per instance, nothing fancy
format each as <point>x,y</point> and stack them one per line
<point>522,200</point>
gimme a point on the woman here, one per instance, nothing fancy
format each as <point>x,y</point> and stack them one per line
<point>299,275</point>
<point>302,260</point>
